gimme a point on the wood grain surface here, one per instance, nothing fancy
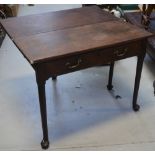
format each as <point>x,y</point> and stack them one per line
<point>45,46</point>
<point>46,22</point>
<point>56,34</point>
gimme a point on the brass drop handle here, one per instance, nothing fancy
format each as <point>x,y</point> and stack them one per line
<point>121,53</point>
<point>70,66</point>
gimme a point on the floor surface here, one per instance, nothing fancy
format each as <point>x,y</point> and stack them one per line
<point>82,114</point>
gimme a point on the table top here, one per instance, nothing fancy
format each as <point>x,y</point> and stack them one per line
<point>52,21</point>
<point>57,34</point>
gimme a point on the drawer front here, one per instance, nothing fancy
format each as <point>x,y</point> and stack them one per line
<point>73,63</point>
<point>122,52</point>
<point>82,61</point>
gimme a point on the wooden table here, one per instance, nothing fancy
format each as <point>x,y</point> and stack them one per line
<point>65,41</point>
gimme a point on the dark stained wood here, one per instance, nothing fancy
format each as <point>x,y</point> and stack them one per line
<point>154,86</point>
<point>137,80</point>
<point>45,46</point>
<point>42,101</point>
<point>41,23</point>
<point>66,41</point>
<point>111,70</point>
<point>93,58</point>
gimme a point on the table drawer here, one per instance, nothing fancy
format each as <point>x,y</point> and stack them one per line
<point>90,59</point>
<point>122,52</point>
<point>73,63</point>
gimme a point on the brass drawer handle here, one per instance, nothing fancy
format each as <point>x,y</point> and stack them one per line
<point>121,53</point>
<point>68,64</point>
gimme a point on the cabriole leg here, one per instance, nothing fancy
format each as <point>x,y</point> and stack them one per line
<point>140,60</point>
<point>42,100</point>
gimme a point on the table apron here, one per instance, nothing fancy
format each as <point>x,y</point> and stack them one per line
<point>90,59</point>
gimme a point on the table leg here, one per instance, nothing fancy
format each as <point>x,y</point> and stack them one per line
<point>137,81</point>
<point>110,86</point>
<point>54,77</point>
<point>42,100</point>
<point>154,86</point>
